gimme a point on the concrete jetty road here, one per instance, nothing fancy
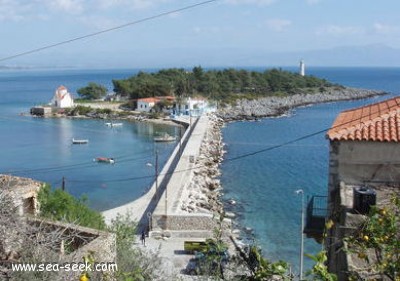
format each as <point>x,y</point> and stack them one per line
<point>183,172</point>
<point>140,209</point>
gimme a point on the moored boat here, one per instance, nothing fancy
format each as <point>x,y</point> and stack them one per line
<point>165,138</point>
<point>79,141</point>
<point>109,124</point>
<point>104,160</point>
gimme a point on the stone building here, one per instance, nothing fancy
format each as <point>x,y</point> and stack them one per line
<point>364,153</point>
<point>67,242</point>
<point>23,191</point>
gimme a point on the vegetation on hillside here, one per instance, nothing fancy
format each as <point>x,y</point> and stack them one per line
<point>86,110</point>
<point>223,85</point>
<point>60,205</point>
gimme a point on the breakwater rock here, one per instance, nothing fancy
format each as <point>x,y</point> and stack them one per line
<point>245,109</point>
<point>203,191</point>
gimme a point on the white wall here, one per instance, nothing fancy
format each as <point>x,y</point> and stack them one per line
<point>363,161</point>
<point>144,106</point>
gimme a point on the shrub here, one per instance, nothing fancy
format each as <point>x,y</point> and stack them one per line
<point>60,205</point>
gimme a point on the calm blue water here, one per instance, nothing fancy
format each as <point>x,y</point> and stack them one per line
<point>41,148</point>
<point>264,184</point>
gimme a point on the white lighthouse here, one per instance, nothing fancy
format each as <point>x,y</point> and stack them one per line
<point>302,68</point>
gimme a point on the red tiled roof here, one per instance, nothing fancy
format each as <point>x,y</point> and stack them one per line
<point>375,122</point>
<point>149,100</point>
<point>169,98</point>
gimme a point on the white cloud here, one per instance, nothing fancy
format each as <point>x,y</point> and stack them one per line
<point>130,4</point>
<point>11,10</point>
<point>340,30</point>
<point>278,25</point>
<point>67,6</point>
<point>381,28</point>
<point>313,2</point>
<point>250,2</point>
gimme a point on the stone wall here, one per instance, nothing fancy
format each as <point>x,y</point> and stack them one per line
<point>23,191</point>
<point>190,222</point>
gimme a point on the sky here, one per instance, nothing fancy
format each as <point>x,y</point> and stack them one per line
<point>221,33</point>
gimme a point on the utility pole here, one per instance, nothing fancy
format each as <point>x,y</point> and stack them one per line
<point>63,184</point>
<point>301,192</point>
<point>166,207</point>
<point>156,173</point>
<point>180,140</point>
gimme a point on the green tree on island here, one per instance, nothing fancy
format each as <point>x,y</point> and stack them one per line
<point>92,91</point>
<point>225,85</point>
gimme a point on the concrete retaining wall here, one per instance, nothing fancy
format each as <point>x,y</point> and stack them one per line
<point>196,222</point>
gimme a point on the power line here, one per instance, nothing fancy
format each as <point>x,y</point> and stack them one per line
<point>107,30</point>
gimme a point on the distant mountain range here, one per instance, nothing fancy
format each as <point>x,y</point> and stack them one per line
<point>369,56</point>
<point>5,67</point>
<point>372,55</point>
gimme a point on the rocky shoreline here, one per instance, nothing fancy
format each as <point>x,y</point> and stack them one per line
<point>275,106</point>
<point>203,191</point>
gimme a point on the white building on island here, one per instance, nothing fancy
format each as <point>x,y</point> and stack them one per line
<point>62,98</point>
<point>191,106</point>
<point>146,104</point>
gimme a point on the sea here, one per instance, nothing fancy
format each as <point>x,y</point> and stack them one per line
<point>263,184</point>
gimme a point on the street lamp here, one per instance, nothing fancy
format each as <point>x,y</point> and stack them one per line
<point>155,171</point>
<point>301,192</point>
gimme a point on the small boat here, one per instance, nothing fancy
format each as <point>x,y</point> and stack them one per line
<point>165,138</point>
<point>74,141</point>
<point>113,124</point>
<point>104,160</point>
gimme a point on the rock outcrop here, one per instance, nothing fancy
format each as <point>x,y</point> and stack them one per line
<point>245,109</point>
<point>204,188</point>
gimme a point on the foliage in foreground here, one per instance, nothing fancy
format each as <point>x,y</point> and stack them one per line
<point>377,241</point>
<point>60,205</point>
<point>134,264</point>
<point>262,269</point>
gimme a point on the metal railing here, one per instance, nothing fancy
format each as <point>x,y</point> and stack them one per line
<point>316,213</point>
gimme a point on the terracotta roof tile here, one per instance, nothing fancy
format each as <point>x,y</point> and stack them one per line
<point>375,122</point>
<point>149,100</point>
